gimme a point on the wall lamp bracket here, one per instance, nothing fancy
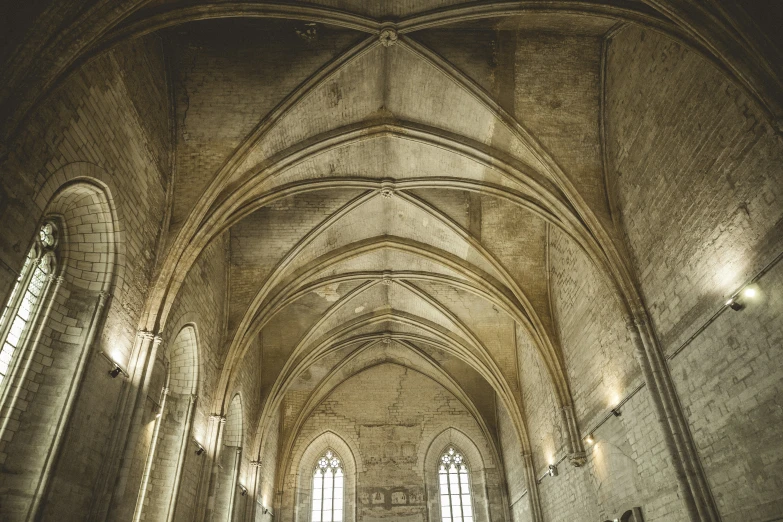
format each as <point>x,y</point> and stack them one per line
<point>735,304</point>
<point>551,471</point>
<point>116,369</point>
<point>242,490</point>
<point>200,448</point>
<point>616,412</point>
<point>738,301</point>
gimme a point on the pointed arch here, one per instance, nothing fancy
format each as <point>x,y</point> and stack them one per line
<point>62,388</point>
<point>303,462</point>
<point>475,460</point>
<point>176,421</point>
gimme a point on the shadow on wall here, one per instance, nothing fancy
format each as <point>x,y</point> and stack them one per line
<point>632,515</point>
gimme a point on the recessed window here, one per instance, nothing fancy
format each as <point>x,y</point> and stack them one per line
<point>328,489</point>
<point>25,297</point>
<point>454,480</point>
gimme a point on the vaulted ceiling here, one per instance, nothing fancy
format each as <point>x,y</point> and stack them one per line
<point>389,174</point>
<point>384,201</point>
<point>389,188</point>
<point>386,198</point>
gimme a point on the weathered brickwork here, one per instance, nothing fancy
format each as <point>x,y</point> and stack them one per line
<point>596,346</point>
<point>513,463</point>
<point>697,175</point>
<point>703,225</point>
<point>729,381</point>
<point>540,405</point>
<point>212,82</point>
<point>391,431</point>
<point>602,371</point>
<point>289,228</point>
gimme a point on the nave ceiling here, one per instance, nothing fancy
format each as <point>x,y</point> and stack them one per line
<point>389,204</point>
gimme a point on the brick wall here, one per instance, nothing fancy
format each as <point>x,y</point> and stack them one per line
<point>400,413</point>
<point>216,77</point>
<point>513,463</point>
<point>699,185</point>
<point>90,127</point>
<point>629,466</point>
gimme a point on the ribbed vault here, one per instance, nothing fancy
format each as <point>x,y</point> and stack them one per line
<point>389,199</point>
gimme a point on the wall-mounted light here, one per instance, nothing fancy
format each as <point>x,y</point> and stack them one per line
<point>551,471</point>
<point>737,302</point>
<point>589,439</point>
<point>242,490</point>
<point>200,448</point>
<point>116,369</point>
<point>616,412</point>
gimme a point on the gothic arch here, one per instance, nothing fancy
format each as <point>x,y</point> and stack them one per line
<point>74,371</point>
<point>476,466</point>
<point>301,465</point>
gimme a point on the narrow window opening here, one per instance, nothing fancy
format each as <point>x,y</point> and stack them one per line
<point>328,489</point>
<point>25,297</point>
<point>454,480</point>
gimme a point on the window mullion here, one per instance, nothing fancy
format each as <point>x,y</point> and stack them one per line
<point>17,295</point>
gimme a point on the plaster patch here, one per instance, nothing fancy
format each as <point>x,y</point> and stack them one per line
<point>329,292</point>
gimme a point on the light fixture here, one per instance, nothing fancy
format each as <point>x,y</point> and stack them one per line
<point>589,439</point>
<point>552,470</point>
<point>738,301</point>
<point>114,372</point>
<point>735,305</point>
<point>242,490</point>
<point>200,449</point>
<point>616,412</point>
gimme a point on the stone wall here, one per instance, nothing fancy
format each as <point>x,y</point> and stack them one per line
<point>391,429</point>
<point>91,130</point>
<point>698,179</point>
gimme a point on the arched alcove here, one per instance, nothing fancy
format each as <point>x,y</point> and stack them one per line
<point>59,375</point>
<point>454,438</point>
<point>174,433</point>
<point>305,463</point>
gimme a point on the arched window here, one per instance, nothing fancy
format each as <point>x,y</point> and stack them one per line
<point>26,296</point>
<point>455,501</point>
<point>328,489</point>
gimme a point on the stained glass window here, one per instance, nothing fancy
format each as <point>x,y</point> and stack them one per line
<point>25,296</point>
<point>328,489</point>
<point>455,502</point>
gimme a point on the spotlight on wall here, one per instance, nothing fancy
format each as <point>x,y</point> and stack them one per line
<point>200,449</point>
<point>589,439</point>
<point>738,301</point>
<point>114,372</point>
<point>616,412</point>
<point>242,490</point>
<point>734,304</point>
<point>552,470</point>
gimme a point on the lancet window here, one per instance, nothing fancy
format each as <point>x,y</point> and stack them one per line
<point>328,489</point>
<point>26,295</point>
<point>454,481</point>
